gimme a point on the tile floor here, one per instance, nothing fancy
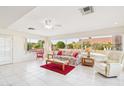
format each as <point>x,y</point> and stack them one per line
<point>31,74</point>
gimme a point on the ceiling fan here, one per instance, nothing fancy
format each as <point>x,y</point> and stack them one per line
<point>50,24</point>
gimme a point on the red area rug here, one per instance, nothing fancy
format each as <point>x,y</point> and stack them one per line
<point>58,68</point>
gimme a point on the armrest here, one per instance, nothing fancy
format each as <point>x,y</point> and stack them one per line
<point>104,59</point>
<point>113,68</point>
<point>114,65</point>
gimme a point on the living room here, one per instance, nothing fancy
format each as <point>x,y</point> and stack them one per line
<point>28,35</point>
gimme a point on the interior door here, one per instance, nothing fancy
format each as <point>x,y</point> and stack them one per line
<point>5,49</point>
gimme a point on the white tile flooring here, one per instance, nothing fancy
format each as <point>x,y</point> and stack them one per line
<point>31,74</point>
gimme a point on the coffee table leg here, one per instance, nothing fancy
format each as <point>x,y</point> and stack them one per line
<point>63,67</point>
<point>68,62</point>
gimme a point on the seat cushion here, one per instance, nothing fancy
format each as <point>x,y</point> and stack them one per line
<point>101,66</point>
<point>112,61</point>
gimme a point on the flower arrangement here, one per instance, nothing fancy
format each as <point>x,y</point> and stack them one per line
<point>88,51</point>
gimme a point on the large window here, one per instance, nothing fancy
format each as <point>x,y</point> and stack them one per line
<point>71,43</point>
<point>57,44</point>
<point>96,43</point>
<point>34,44</point>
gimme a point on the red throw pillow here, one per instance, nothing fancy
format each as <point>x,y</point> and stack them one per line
<point>59,53</point>
<point>75,54</point>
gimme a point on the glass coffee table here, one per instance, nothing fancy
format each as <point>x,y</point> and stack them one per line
<point>60,61</point>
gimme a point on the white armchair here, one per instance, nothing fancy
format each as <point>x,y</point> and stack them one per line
<point>112,66</point>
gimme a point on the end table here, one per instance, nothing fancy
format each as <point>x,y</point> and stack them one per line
<point>88,61</point>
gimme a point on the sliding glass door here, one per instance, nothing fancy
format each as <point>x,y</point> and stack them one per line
<point>5,49</point>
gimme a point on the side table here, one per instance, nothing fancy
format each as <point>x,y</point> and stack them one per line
<point>88,61</point>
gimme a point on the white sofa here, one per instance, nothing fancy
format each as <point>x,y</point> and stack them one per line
<point>112,65</point>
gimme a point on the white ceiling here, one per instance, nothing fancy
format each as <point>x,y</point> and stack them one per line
<point>9,15</point>
<point>68,16</point>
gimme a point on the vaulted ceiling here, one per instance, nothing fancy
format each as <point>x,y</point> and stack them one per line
<point>68,19</point>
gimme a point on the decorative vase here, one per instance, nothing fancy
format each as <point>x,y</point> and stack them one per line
<point>88,54</point>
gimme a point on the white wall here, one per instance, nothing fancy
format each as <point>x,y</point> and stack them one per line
<point>107,31</point>
<point>19,52</point>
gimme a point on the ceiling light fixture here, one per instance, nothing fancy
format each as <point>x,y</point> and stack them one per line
<point>48,23</point>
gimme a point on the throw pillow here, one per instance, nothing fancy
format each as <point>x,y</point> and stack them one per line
<point>75,54</point>
<point>59,53</point>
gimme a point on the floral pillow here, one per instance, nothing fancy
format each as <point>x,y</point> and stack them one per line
<point>75,54</point>
<point>59,53</point>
